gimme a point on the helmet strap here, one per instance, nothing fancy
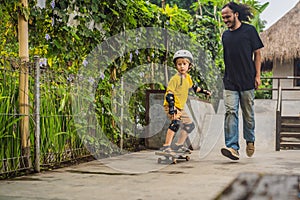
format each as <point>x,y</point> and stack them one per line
<point>180,79</point>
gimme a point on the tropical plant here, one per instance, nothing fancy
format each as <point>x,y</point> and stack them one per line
<point>66,32</point>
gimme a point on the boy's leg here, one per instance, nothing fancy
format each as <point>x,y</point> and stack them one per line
<point>174,126</point>
<point>186,129</point>
<point>179,145</point>
<point>169,137</point>
<point>183,132</point>
<point>182,137</point>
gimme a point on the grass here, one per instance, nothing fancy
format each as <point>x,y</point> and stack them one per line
<point>57,128</point>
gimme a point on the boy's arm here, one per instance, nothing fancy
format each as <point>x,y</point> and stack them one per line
<point>197,89</point>
<point>171,101</point>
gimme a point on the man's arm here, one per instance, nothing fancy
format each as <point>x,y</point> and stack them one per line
<point>257,62</point>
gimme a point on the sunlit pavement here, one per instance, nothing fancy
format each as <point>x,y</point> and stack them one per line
<point>138,176</point>
<point>195,179</point>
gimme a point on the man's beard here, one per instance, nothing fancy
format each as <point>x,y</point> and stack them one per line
<point>233,23</point>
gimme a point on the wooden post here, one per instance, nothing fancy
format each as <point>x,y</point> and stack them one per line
<point>165,32</point>
<point>37,131</point>
<point>122,116</point>
<point>23,88</point>
<point>278,117</point>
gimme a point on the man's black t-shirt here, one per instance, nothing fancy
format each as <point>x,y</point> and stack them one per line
<point>239,46</point>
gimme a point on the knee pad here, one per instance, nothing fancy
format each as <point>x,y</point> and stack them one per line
<point>174,126</point>
<point>189,127</point>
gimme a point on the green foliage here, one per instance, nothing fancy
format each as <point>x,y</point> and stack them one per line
<point>9,118</point>
<point>265,89</point>
<point>8,30</point>
<point>65,32</point>
<point>257,10</point>
<point>182,4</point>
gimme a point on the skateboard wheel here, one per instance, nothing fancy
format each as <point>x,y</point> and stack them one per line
<point>159,160</point>
<point>187,158</point>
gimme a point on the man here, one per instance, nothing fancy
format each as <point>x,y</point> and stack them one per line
<point>242,57</point>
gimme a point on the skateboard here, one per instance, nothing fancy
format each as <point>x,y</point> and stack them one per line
<point>172,157</point>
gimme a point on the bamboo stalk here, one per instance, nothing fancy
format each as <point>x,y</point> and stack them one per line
<point>23,88</point>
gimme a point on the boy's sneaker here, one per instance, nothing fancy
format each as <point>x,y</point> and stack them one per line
<point>250,149</point>
<point>230,153</point>
<point>166,149</point>
<point>181,149</point>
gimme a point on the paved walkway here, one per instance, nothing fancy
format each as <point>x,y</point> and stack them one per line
<point>138,176</point>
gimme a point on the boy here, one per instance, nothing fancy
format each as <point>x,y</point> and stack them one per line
<point>175,100</point>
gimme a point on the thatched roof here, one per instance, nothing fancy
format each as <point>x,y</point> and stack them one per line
<point>282,39</point>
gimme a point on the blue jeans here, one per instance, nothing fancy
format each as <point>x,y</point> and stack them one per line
<point>232,100</point>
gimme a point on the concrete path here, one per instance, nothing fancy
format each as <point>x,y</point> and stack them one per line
<point>138,176</point>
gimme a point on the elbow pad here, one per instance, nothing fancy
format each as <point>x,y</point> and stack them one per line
<point>195,87</point>
<point>171,101</point>
<point>207,92</point>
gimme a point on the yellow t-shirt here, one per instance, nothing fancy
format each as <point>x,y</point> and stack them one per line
<point>180,89</point>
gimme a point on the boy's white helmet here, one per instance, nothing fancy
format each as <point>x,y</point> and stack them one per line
<point>183,54</point>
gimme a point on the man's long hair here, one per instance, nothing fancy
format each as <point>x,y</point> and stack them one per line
<point>244,11</point>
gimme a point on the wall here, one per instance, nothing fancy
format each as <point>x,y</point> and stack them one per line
<point>285,69</point>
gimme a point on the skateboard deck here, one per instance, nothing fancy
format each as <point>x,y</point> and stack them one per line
<point>172,157</point>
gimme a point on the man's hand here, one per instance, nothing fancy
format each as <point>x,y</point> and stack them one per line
<point>257,62</point>
<point>257,82</point>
